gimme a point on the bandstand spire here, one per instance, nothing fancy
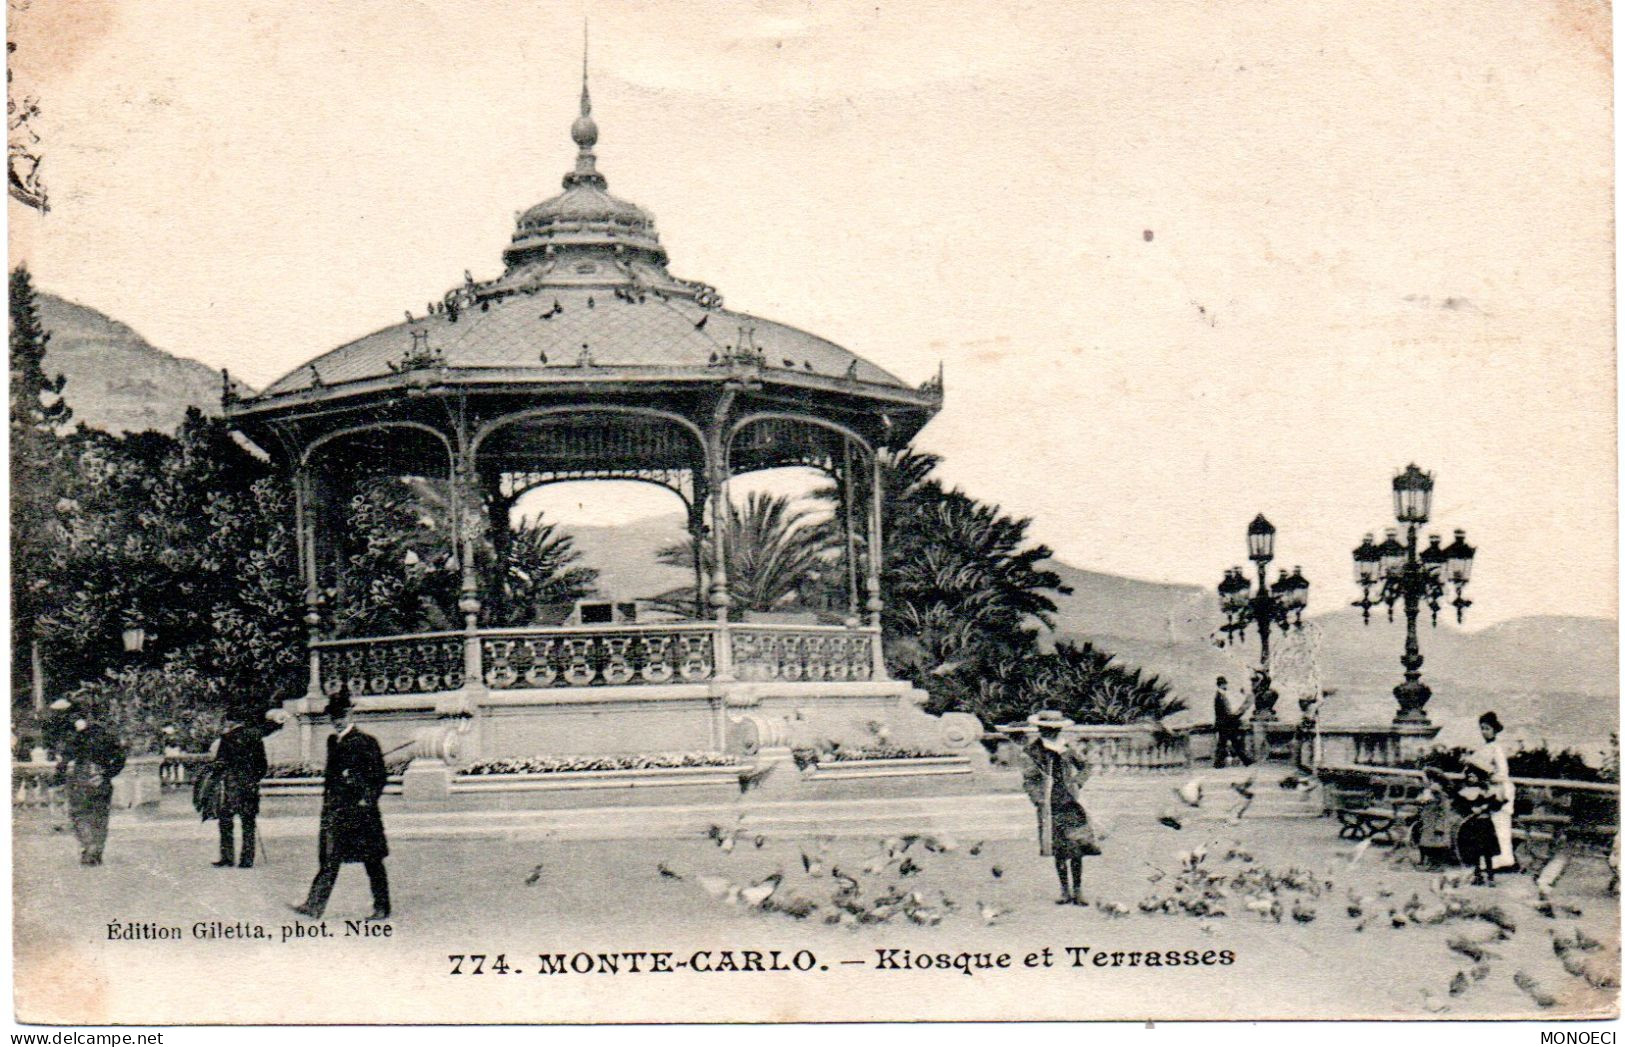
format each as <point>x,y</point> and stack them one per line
<point>585,134</point>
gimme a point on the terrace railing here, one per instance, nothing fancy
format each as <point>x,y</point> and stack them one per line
<point>795,652</point>
<point>616,655</point>
<point>417,663</point>
<point>645,654</point>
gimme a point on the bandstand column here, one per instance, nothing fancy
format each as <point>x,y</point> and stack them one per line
<point>716,455</point>
<point>464,495</point>
<point>876,554</point>
<point>849,529</point>
<point>304,524</point>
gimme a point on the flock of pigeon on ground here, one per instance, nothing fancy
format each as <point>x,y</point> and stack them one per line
<point>1209,882</point>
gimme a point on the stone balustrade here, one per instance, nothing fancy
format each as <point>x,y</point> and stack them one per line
<point>795,653</point>
<point>1130,749</point>
<point>585,656</point>
<point>419,663</point>
<point>33,787</point>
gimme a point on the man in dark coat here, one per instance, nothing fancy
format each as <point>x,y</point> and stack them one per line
<point>352,830</point>
<point>92,757</point>
<point>1053,774</point>
<point>1229,735</point>
<point>239,765</point>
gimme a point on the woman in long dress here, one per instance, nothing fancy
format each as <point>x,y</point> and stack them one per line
<point>1493,758</point>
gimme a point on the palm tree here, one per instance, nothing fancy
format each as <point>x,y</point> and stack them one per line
<point>539,574</point>
<point>402,571</point>
<point>780,557</point>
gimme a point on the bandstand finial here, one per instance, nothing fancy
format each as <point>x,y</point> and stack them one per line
<point>584,132</point>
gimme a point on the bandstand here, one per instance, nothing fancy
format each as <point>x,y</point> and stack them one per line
<point>587,360</point>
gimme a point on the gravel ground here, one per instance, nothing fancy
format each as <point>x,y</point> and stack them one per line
<point>519,899</point>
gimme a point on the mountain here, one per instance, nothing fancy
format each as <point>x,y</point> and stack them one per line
<point>1549,678</point>
<point>116,380</point>
<point>624,556</point>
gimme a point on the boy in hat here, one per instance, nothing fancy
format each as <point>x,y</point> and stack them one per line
<point>1053,774</point>
<point>352,830</point>
<point>92,757</point>
<point>240,763</point>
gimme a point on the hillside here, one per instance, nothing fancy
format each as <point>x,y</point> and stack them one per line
<point>1549,677</point>
<point>116,380</point>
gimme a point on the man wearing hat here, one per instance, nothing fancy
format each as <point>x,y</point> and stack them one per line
<point>239,764</point>
<point>91,757</point>
<point>1053,775</point>
<point>352,830</point>
<point>1229,739</point>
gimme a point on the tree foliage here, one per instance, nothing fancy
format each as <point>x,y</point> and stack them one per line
<point>190,538</point>
<point>401,570</point>
<point>967,600</point>
<point>781,557</point>
<point>39,436</point>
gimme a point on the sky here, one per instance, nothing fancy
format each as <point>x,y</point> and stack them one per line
<point>1182,262</point>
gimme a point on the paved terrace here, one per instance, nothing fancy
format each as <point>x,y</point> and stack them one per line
<point>525,882</point>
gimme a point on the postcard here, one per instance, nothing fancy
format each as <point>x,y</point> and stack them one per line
<point>731,512</point>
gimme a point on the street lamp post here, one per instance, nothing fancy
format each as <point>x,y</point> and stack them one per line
<point>1269,607</point>
<point>1396,572</point>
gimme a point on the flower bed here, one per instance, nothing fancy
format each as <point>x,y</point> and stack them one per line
<point>806,757</point>
<point>615,762</point>
<point>312,770</point>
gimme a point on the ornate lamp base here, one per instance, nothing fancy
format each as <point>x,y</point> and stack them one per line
<point>1412,696</point>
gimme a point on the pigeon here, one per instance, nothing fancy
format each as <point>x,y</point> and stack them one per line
<point>807,364</point>
<point>1474,951</point>
<point>542,356</point>
<point>813,866</point>
<point>909,867</point>
<point>879,864</point>
<point>1541,997</point>
<point>1428,1004</point>
<point>976,848</point>
<point>718,887</point>
<point>760,841</point>
<point>761,890</point>
<point>699,325</point>
<point>667,872</point>
<point>1190,794</point>
<point>535,876</point>
<point>991,913</point>
<point>1244,788</point>
<point>713,358</point>
<point>1167,818</point>
<point>997,872</point>
<point>1301,912</point>
<point>751,777</point>
<point>725,838</point>
<point>1459,984</point>
<point>791,364</point>
<point>1479,972</point>
<point>1359,851</point>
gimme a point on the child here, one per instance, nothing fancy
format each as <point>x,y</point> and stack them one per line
<point>1476,842</point>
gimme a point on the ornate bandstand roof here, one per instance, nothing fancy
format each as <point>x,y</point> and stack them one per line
<point>586,302</point>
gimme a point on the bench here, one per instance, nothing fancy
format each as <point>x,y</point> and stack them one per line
<point>1373,806</point>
